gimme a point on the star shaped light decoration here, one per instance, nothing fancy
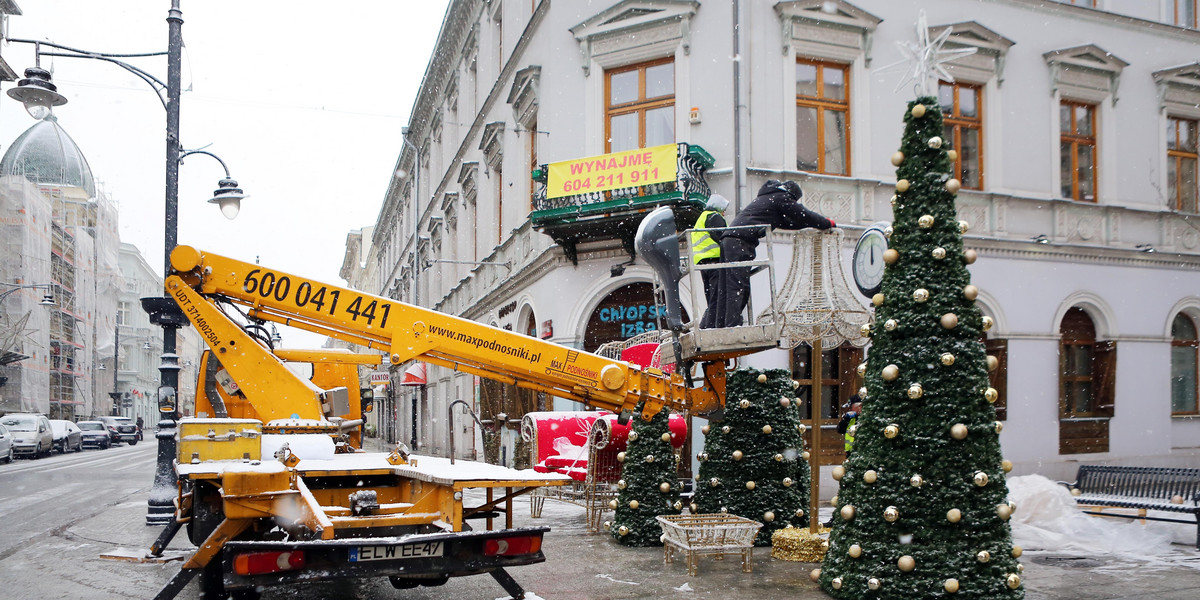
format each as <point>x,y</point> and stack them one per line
<point>15,334</point>
<point>924,58</point>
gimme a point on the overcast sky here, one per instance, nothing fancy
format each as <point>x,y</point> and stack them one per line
<point>303,100</point>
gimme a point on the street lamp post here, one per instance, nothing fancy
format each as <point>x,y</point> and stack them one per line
<point>39,96</point>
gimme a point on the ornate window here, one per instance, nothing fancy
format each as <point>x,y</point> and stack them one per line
<point>1181,164</point>
<point>1077,150</point>
<point>962,107</point>
<point>1087,382</point>
<point>822,117</point>
<point>639,105</point>
<point>1185,352</point>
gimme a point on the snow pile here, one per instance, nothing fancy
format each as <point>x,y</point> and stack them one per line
<point>1048,519</point>
<point>307,446</point>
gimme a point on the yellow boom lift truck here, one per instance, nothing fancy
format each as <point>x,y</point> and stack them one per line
<point>273,486</point>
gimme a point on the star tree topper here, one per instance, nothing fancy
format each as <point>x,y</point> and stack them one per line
<point>924,58</point>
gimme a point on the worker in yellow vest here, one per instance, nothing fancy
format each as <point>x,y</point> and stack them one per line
<point>706,249</point>
<point>846,425</point>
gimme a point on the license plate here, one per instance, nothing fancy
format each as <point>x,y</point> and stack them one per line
<point>419,550</point>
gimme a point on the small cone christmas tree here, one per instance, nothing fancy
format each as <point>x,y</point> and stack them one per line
<point>649,484</point>
<point>922,510</point>
<point>753,463</point>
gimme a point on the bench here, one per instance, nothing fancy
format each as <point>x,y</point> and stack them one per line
<point>1172,490</point>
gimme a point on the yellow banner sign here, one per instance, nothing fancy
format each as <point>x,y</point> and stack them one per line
<point>631,168</point>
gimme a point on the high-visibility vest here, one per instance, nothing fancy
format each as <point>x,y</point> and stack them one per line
<point>849,435</point>
<point>703,245</point>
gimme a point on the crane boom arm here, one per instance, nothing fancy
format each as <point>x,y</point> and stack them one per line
<point>409,332</point>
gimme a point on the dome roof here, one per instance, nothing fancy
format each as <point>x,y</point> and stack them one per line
<point>45,154</point>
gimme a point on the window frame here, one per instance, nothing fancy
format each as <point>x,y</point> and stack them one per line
<point>1177,156</point>
<point>1076,140</point>
<point>642,104</point>
<point>1195,18</point>
<point>1195,346</point>
<point>959,122</point>
<point>823,104</point>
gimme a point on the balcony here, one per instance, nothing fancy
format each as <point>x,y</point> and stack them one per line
<point>604,212</point>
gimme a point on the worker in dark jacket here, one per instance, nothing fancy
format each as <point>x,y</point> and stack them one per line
<point>778,206</point>
<point>706,249</point>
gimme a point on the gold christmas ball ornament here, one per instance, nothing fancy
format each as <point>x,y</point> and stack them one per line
<point>906,563</point>
<point>804,454</point>
<point>1003,511</point>
<point>725,429</point>
<point>621,484</point>
<point>861,369</point>
<point>969,256</point>
<point>703,456</point>
<point>970,292</point>
<point>695,508</point>
<point>1013,581</point>
<point>949,321</point>
<point>877,299</point>
<point>980,478</point>
<point>787,482</point>
<point>890,256</point>
<point>915,391</point>
<point>887,232</point>
<point>935,142</point>
<point>951,585</point>
<point>890,514</point>
<point>902,186</point>
<point>833,501</point>
<point>918,110</point>
<point>987,323</point>
<point>704,429</point>
<point>963,226</point>
<point>939,253</point>
<point>714,482</point>
<point>612,504</point>
<point>991,395</point>
<point>795,384</point>
<point>1006,465</point>
<point>785,402</point>
<point>893,201</point>
<point>839,472</point>
<point>873,584</point>
<point>953,185</point>
<point>890,373</point>
<point>958,431</point>
<point>607,525</point>
<point>983,556</point>
<point>999,426</point>
<point>649,458</point>
<point>891,431</point>
<point>847,512</point>
<point>916,481</point>
<point>778,457</point>
<point>921,295</point>
<point>853,430</point>
<point>1012,506</point>
<point>633,504</point>
<point>623,530</point>
<point>890,324</point>
<point>947,359</point>
<point>952,155</point>
<point>621,457</point>
<point>815,575</point>
<point>745,403</point>
<point>766,429</point>
<point>666,437</point>
<point>633,436</point>
<point>954,515</point>
<point>678,505</point>
<point>1017,552</point>
<point>1076,492</point>
<point>870,476</point>
<point>762,378</point>
<point>862,392</point>
<point>865,330</point>
<point>897,158</point>
<point>664,487</point>
<point>750,485</point>
<point>993,363</point>
<point>768,516</point>
<point>802,428</point>
<point>737,455</point>
<point>799,513</point>
<point>836,583</point>
<point>925,222</point>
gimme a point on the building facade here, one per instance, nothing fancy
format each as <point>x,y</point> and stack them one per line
<point>1075,125</point>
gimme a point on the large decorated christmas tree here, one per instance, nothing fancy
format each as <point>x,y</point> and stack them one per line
<point>922,510</point>
<point>753,463</point>
<point>649,484</point>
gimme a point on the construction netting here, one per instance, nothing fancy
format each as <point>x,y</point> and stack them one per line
<point>26,220</point>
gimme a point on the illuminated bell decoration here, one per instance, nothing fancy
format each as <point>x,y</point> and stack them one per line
<point>891,255</point>
<point>744,403</point>
<point>897,158</point>
<point>787,482</point>
<point>666,437</point>
<point>839,472</point>
<point>768,516</point>
<point>987,323</point>
<point>633,436</point>
<point>762,378</point>
<point>725,429</point>
<point>935,142</point>
<point>1013,581</point>
<point>815,574</point>
<point>969,256</point>
<point>890,514</point>
<point>1003,511</point>
<point>993,363</point>
<point>949,321</point>
<point>958,431</point>
<point>925,222</point>
<point>847,512</point>
<point>750,485</point>
<point>704,429</point>
<point>664,487</point>
<point>877,299</point>
<point>620,457</point>
<point>890,324</point>
<point>890,373</point>
<point>612,504</point>
<point>861,369</point>
<point>906,563</point>
<point>954,515</point>
<point>947,359</point>
<point>766,429</point>
<point>1006,465</point>
<point>633,504</point>
<point>621,484</point>
<point>921,295</point>
<point>870,476</point>
<point>916,480</point>
<point>737,455</point>
<point>623,530</point>
<point>855,551</point>
<point>939,253</point>
<point>873,583</point>
<point>902,185</point>
<point>915,391</point>
<point>714,482</point>
<point>983,556</point>
<point>836,583</point>
<point>918,110</point>
<point>953,185</point>
<point>970,292</point>
<point>891,431</point>
<point>999,426</point>
<point>991,395</point>
<point>981,478</point>
<point>951,585</point>
<point>778,457</point>
<point>952,155</point>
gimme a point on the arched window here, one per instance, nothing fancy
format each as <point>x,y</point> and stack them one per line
<point>1087,377</point>
<point>1185,350</point>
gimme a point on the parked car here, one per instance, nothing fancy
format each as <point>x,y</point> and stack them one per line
<point>66,436</point>
<point>121,429</point>
<point>95,434</point>
<point>6,444</point>
<point>31,433</point>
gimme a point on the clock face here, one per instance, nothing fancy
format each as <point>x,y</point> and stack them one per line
<point>868,261</point>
